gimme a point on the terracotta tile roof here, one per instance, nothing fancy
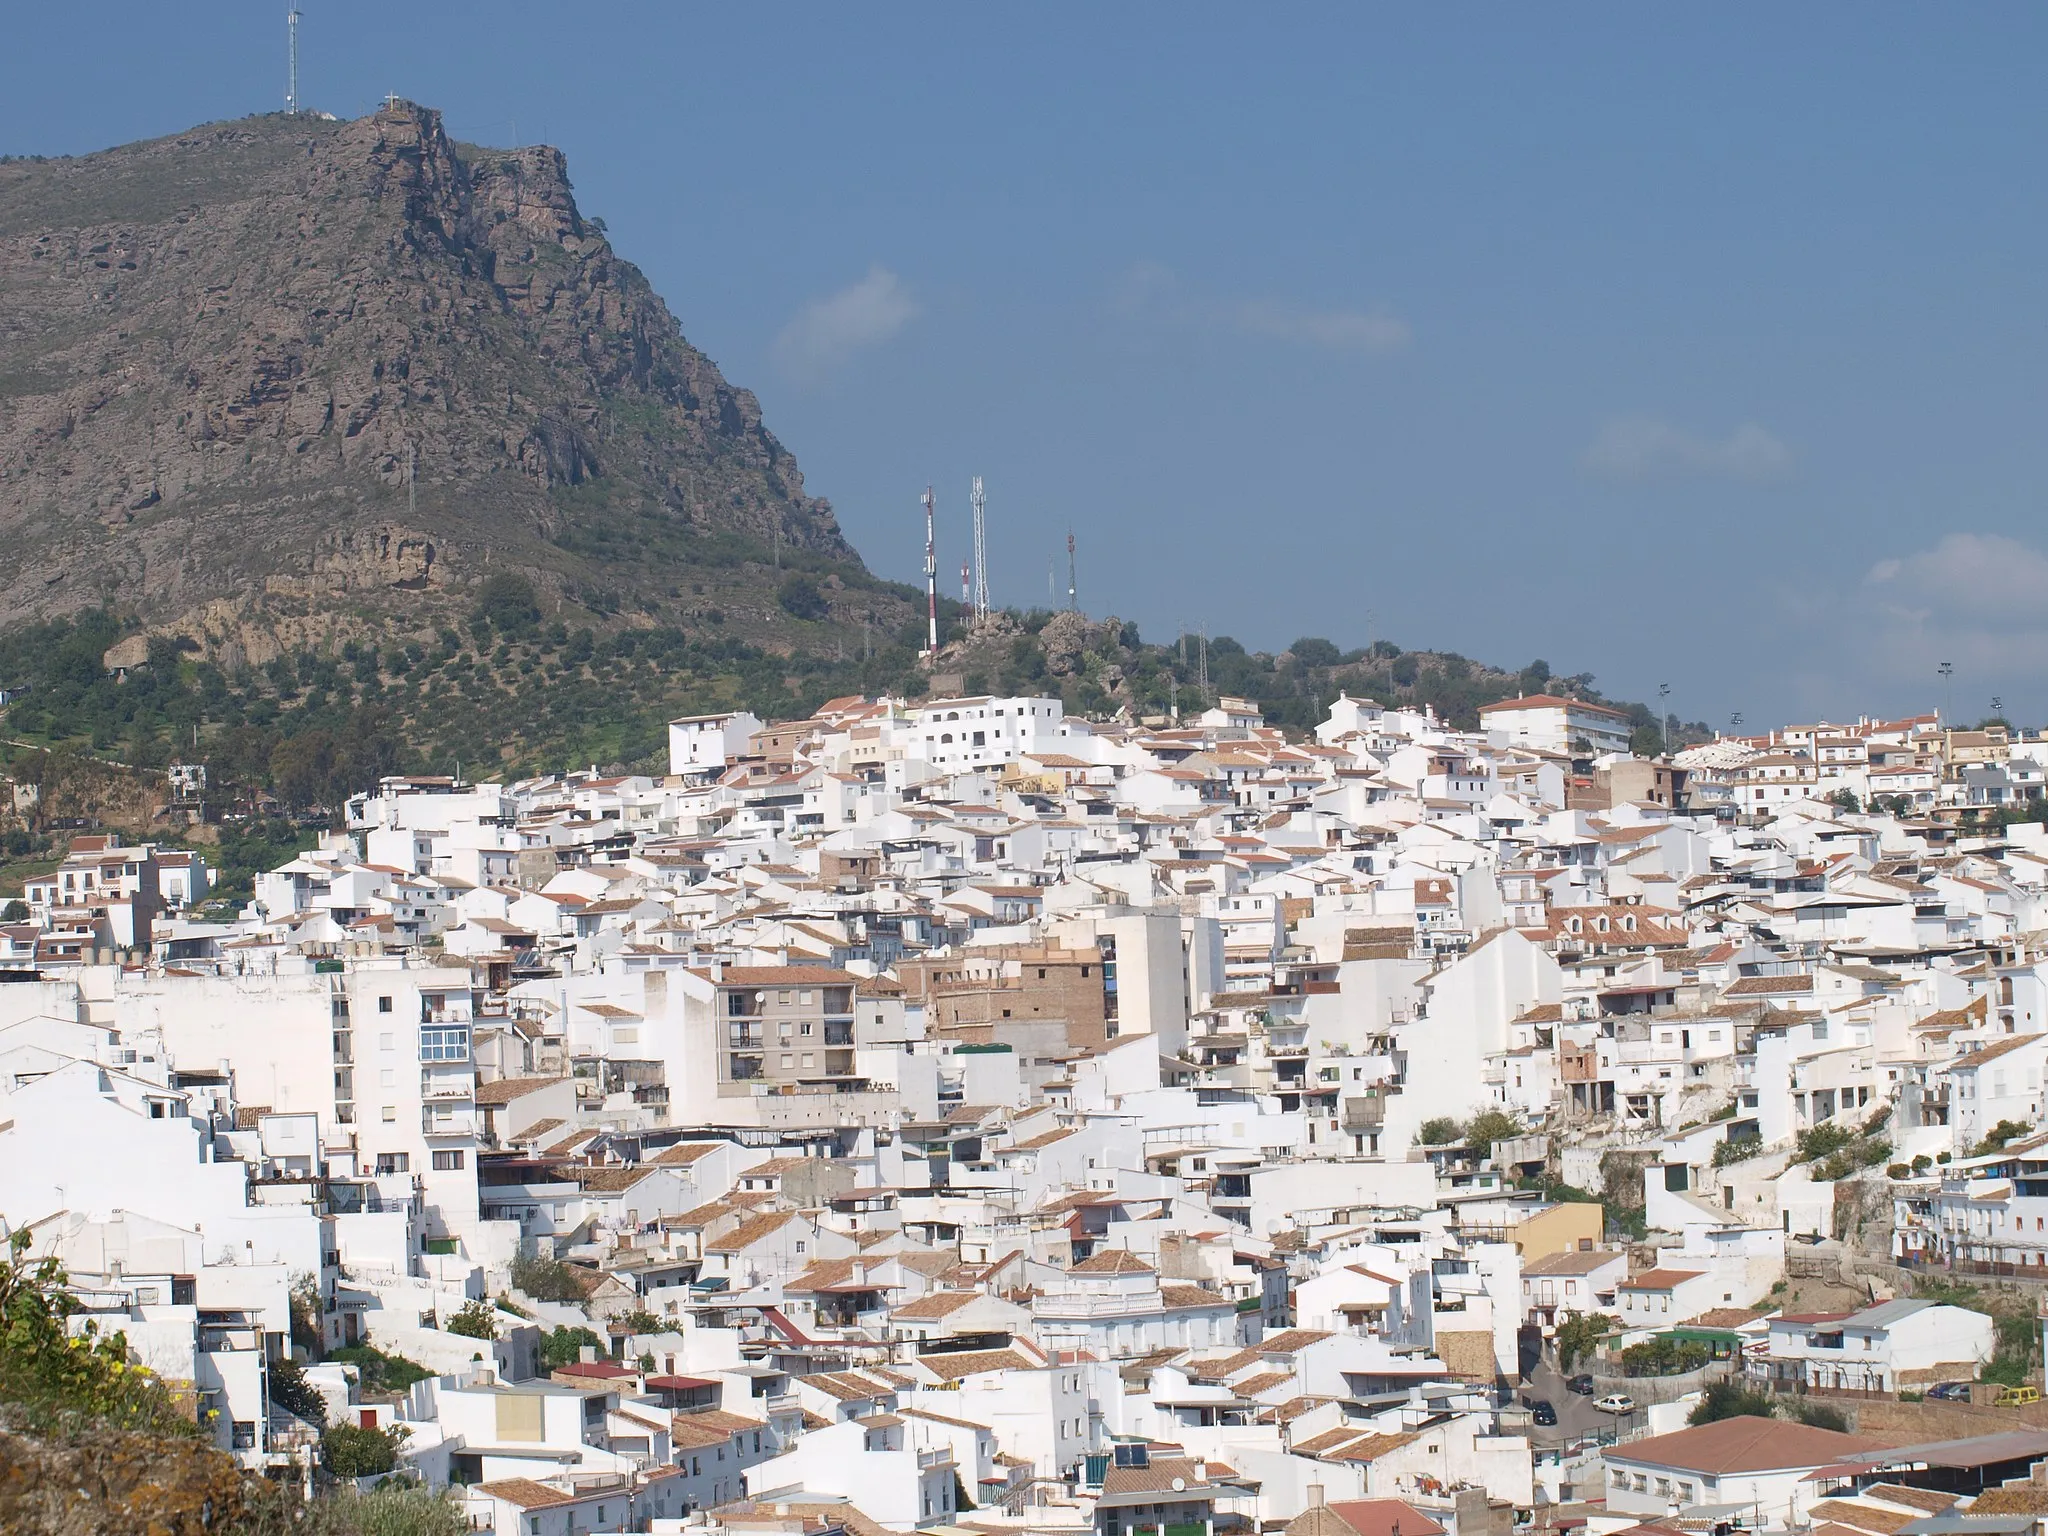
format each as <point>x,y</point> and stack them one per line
<point>1744,1444</point>
<point>951,1367</point>
<point>1112,1261</point>
<point>525,1492</point>
<point>750,1232</point>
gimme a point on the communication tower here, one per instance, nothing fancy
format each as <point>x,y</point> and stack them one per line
<point>1073,603</point>
<point>931,578</point>
<point>291,95</point>
<point>981,604</point>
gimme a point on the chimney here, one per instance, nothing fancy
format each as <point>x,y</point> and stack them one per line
<point>1315,1495</point>
<point>586,1354</point>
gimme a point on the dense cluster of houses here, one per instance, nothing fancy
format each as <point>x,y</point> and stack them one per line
<point>958,1115</point>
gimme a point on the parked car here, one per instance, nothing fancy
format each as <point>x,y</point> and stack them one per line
<point>1543,1413</point>
<point>1583,1385</point>
<point>1616,1402</point>
<point>2018,1397</point>
<point>1950,1391</point>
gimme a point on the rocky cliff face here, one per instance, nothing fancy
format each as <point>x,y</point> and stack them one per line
<point>288,368</point>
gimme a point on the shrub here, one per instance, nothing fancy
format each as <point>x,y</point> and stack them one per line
<point>801,599</point>
<point>1823,1140</point>
<point>1736,1149</point>
<point>290,1390</point>
<point>1488,1127</point>
<point>546,1279</point>
<point>1439,1131</point>
<point>1898,1171</point>
<point>391,1509</point>
<point>506,603</point>
<point>1728,1400</point>
<point>1664,1357</point>
<point>476,1320</point>
<point>347,1450</point>
<point>1578,1333</point>
<point>640,1320</point>
<point>564,1346</point>
<point>380,1372</point>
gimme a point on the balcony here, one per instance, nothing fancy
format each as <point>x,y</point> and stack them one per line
<point>1365,1113</point>
<point>433,1124</point>
<point>745,1037</point>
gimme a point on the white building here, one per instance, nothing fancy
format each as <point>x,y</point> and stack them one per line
<point>1550,724</point>
<point>1760,1464</point>
<point>987,732</point>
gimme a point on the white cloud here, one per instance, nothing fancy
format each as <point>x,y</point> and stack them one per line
<point>1644,448</point>
<point>1978,601</point>
<point>1153,290</point>
<point>826,332</point>
<point>1976,581</point>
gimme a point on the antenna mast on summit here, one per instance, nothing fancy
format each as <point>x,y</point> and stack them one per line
<point>291,95</point>
<point>931,578</point>
<point>1073,604</point>
<point>980,557</point>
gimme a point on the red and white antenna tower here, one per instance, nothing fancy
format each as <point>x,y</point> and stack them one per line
<point>931,577</point>
<point>966,583</point>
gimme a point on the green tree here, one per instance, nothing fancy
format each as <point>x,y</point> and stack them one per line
<point>801,599</point>
<point>507,604</point>
<point>1490,1126</point>
<point>1730,1400</point>
<point>476,1320</point>
<point>348,1450</point>
<point>1578,1333</point>
<point>1845,800</point>
<point>1438,1131</point>
<point>1314,651</point>
<point>565,1346</point>
<point>15,911</point>
<point>290,1391</point>
<point>546,1279</point>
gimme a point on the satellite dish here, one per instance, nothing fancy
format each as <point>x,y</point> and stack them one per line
<point>1180,1485</point>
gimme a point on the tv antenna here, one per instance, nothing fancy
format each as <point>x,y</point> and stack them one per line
<point>291,95</point>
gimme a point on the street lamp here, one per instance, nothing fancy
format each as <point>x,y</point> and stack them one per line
<point>1664,717</point>
<point>1947,670</point>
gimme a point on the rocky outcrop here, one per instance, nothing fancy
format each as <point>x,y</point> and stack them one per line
<point>315,365</point>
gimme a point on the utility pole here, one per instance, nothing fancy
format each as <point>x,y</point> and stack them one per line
<point>981,603</point>
<point>291,95</point>
<point>931,577</point>
<point>1948,693</point>
<point>1664,717</point>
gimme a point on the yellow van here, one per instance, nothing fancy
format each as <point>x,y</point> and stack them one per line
<point>2015,1397</point>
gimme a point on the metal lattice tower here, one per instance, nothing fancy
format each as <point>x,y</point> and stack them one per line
<point>981,604</point>
<point>291,95</point>
<point>931,577</point>
<point>1073,602</point>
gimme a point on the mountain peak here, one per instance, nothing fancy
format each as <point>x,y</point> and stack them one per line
<point>290,372</point>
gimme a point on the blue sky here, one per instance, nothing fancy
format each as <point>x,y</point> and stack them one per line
<point>1701,346</point>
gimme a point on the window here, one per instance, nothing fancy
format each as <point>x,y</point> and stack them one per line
<point>390,1113</point>
<point>447,1162</point>
<point>444,1045</point>
<point>384,1005</point>
<point>394,1162</point>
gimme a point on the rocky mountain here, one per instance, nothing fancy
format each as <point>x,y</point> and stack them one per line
<point>280,382</point>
